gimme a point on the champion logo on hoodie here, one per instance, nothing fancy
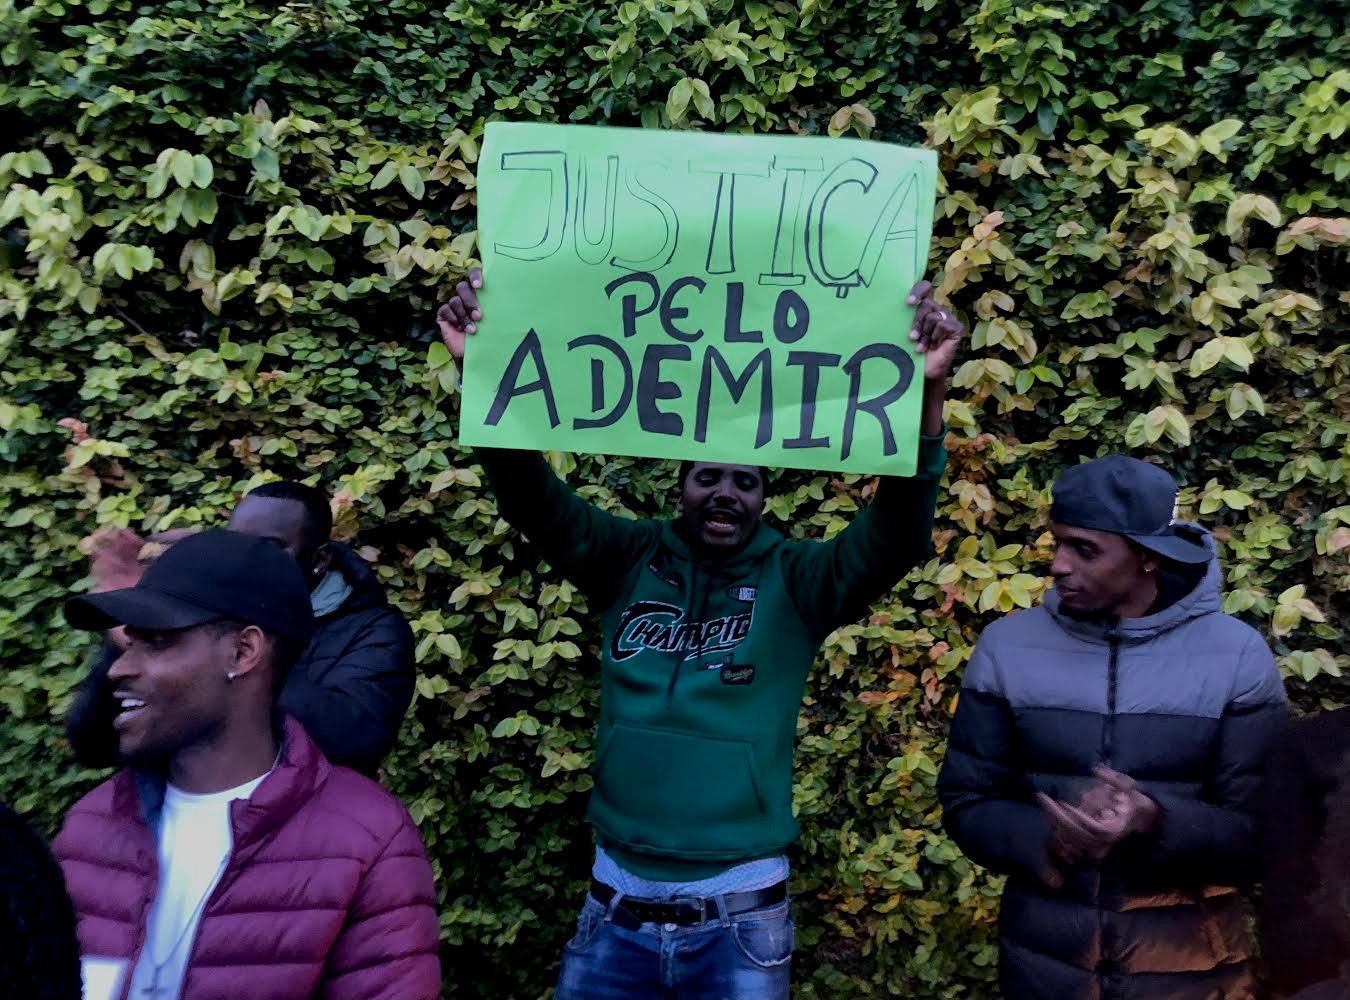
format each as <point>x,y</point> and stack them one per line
<point>661,626</point>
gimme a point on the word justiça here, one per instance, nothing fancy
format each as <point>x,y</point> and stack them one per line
<point>806,195</point>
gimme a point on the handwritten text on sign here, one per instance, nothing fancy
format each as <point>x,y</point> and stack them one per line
<point>684,295</point>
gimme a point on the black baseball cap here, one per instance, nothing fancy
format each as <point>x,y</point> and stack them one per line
<point>207,577</point>
<point>1124,496</point>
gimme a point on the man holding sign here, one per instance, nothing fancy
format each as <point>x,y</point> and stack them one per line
<point>711,621</point>
<point>727,298</point>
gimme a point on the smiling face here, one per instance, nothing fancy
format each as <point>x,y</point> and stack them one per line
<point>722,504</point>
<point>1100,573</point>
<point>169,690</point>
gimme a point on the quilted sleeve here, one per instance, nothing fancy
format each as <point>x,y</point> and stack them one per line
<point>388,946</point>
<point>983,807</point>
<point>1213,838</point>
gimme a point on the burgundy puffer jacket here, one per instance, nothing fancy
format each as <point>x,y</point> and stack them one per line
<point>327,895</point>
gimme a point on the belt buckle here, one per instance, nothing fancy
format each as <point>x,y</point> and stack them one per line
<point>626,918</point>
<point>698,905</point>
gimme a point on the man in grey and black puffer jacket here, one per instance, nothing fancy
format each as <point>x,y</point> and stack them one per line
<point>1107,752</point>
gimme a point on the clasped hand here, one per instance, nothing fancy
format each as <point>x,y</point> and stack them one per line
<point>1109,812</point>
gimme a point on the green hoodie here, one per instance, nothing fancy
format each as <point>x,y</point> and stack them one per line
<point>693,768</point>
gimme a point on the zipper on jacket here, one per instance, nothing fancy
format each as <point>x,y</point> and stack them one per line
<point>1106,963</point>
<point>1109,722</point>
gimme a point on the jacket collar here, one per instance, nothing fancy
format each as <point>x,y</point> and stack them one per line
<point>366,589</point>
<point>1204,598</point>
<point>300,770</point>
<point>331,593</point>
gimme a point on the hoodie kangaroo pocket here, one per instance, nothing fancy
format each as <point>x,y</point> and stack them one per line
<point>686,795</point>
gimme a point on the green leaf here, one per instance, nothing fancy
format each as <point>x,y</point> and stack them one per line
<point>38,162</point>
<point>703,102</point>
<point>1209,355</point>
<point>103,260</point>
<point>1132,115</point>
<point>385,177</point>
<point>157,182</point>
<point>266,165</point>
<point>1245,206</point>
<point>677,103</point>
<point>202,171</point>
<point>1213,137</point>
<point>462,245</point>
<point>183,167</point>
<point>411,179</point>
<point>1088,305</point>
<point>507,727</point>
<point>380,232</point>
<point>140,258</point>
<point>438,355</point>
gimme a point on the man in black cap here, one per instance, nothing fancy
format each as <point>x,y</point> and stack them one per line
<point>352,682</point>
<point>230,858</point>
<point>1107,753</point>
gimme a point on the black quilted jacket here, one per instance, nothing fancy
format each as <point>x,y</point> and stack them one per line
<point>1184,700</point>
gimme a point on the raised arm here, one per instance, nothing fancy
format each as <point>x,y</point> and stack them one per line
<point>589,546</point>
<point>833,582</point>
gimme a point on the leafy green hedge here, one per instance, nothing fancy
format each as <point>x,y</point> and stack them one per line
<point>227,224</point>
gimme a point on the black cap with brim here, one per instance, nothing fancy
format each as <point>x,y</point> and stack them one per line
<point>1173,546</point>
<point>1128,497</point>
<point>136,607</point>
<point>212,576</point>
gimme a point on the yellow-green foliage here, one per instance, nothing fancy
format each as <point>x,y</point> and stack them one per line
<point>227,224</point>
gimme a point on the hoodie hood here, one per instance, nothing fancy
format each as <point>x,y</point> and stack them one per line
<point>1202,597</point>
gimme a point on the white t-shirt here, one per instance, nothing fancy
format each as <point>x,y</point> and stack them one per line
<point>194,844</point>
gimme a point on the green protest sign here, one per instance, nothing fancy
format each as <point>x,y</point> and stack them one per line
<point>704,296</point>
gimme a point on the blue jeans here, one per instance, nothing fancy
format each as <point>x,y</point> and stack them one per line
<point>747,956</point>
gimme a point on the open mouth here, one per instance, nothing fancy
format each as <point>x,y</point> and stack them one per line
<point>721,522</point>
<point>129,709</point>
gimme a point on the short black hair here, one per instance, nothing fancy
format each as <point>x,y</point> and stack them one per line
<point>318,515</point>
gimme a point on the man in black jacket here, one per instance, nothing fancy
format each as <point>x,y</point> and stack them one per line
<point>1106,756</point>
<point>354,681</point>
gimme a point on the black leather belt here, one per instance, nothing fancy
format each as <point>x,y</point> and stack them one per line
<point>684,911</point>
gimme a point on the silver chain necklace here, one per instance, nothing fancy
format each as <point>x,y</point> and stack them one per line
<point>154,991</point>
